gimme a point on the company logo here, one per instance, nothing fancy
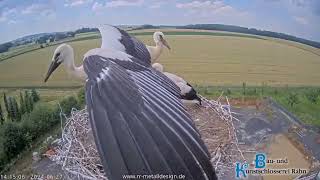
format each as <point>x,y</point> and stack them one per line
<point>241,169</point>
<point>260,162</point>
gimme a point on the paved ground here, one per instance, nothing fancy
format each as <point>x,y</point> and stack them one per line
<point>307,135</point>
<point>255,125</point>
<point>46,167</point>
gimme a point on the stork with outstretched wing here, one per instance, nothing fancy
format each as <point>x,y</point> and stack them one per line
<point>139,124</point>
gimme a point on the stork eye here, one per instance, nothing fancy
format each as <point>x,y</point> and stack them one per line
<point>57,55</point>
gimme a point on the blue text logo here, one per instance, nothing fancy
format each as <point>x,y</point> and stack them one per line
<point>261,160</point>
<point>241,169</point>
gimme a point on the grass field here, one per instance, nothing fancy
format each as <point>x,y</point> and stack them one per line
<point>201,59</point>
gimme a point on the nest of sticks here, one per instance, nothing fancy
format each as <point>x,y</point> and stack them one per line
<point>78,156</point>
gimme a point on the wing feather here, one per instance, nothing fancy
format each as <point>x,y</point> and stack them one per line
<point>139,126</point>
<point>119,40</point>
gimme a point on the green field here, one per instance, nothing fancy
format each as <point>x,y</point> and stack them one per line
<point>197,56</point>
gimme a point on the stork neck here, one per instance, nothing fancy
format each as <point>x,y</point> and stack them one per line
<point>72,69</point>
<point>159,44</point>
<point>69,61</point>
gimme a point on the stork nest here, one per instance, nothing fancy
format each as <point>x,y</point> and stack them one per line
<point>76,151</point>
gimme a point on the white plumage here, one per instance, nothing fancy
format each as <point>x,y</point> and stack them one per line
<point>186,90</point>
<point>160,43</point>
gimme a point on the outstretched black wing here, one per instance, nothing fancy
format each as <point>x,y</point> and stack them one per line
<point>139,126</point>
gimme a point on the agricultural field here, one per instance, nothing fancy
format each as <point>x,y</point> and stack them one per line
<point>203,58</point>
<point>218,60</point>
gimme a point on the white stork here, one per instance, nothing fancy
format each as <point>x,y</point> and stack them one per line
<point>138,122</point>
<point>160,42</point>
<point>187,92</point>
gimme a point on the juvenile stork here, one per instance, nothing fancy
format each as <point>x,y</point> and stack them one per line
<point>160,43</point>
<point>187,92</point>
<point>138,122</point>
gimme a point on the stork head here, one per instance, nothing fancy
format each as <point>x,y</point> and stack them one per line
<point>157,67</point>
<point>60,55</point>
<point>159,38</point>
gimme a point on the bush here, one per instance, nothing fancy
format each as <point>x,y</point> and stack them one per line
<point>3,159</point>
<point>68,103</point>
<point>41,119</point>
<point>13,139</point>
<point>293,99</point>
<point>228,93</point>
<point>81,97</point>
<point>275,91</point>
<point>312,96</point>
<point>252,92</point>
<point>16,136</point>
<point>35,96</point>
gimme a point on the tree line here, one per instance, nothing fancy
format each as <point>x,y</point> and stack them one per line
<point>14,109</point>
<point>253,31</point>
<point>5,47</point>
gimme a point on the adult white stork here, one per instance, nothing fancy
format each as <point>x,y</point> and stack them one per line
<point>187,92</point>
<point>139,124</point>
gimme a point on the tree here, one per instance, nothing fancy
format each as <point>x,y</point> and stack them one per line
<point>5,47</point>
<point>31,103</point>
<point>1,116</point>
<point>35,95</point>
<point>5,100</point>
<point>28,101</point>
<point>17,110</point>
<point>244,85</point>
<point>263,87</point>
<point>14,109</point>
<point>293,99</point>
<point>11,114</point>
<point>22,104</point>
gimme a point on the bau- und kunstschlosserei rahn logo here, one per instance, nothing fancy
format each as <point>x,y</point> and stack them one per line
<point>259,167</point>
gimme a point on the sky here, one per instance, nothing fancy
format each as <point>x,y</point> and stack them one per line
<point>24,17</point>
